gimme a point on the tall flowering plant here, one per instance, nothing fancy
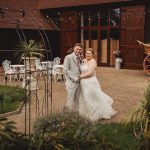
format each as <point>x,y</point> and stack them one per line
<point>118,59</point>
<point>117,53</point>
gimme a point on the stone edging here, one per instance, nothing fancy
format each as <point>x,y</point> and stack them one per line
<point>17,111</point>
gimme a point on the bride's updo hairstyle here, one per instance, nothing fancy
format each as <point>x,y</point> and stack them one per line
<point>91,50</point>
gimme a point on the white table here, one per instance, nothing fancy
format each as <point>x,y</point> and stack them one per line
<point>19,68</point>
<point>59,66</point>
<point>46,64</point>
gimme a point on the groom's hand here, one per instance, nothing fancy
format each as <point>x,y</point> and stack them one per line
<point>77,79</point>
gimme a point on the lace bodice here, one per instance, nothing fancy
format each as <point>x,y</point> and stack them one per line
<point>88,70</point>
<point>83,68</point>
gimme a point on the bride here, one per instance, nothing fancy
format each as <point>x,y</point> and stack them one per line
<point>94,104</point>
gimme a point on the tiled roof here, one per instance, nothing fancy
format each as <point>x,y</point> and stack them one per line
<point>23,13</point>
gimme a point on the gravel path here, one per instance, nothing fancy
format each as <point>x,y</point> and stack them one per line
<point>126,87</point>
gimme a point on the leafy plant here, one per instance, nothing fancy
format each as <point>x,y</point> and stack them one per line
<point>28,49</point>
<point>69,131</point>
<point>65,130</point>
<point>140,119</point>
<point>10,139</point>
<point>10,97</point>
<point>117,53</point>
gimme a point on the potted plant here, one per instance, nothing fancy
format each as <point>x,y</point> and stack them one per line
<point>27,51</point>
<point>118,59</point>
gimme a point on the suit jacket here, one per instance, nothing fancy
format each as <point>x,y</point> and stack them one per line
<point>71,70</point>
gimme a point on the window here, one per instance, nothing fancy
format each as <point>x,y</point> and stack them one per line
<point>114,16</point>
<point>104,42</point>
<point>86,38</point>
<point>94,42</point>
<point>86,19</point>
<point>94,18</point>
<point>114,44</point>
<point>100,31</point>
<point>104,15</point>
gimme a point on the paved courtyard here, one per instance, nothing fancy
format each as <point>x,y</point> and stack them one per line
<point>126,87</point>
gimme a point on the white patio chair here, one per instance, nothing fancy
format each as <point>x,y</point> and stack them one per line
<point>39,67</point>
<point>57,60</point>
<point>22,73</point>
<point>58,73</point>
<point>9,71</point>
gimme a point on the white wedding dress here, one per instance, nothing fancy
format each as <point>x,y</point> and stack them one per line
<point>94,104</point>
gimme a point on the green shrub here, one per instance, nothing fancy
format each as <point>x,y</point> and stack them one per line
<point>140,119</point>
<point>68,130</point>
<point>10,98</point>
<point>64,130</point>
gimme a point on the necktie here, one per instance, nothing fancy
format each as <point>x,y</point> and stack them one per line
<point>78,61</point>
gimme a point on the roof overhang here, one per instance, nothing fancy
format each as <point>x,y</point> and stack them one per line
<point>23,14</point>
<point>49,4</point>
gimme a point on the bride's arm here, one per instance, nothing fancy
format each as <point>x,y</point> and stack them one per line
<point>92,66</point>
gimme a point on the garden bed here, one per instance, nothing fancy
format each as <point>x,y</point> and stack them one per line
<point>70,131</point>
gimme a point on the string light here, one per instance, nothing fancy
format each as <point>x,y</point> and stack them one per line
<point>102,16</point>
<point>114,17</point>
<point>76,15</point>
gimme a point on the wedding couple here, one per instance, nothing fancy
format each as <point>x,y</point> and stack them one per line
<point>84,93</point>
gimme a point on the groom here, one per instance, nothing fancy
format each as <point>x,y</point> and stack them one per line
<point>72,72</point>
